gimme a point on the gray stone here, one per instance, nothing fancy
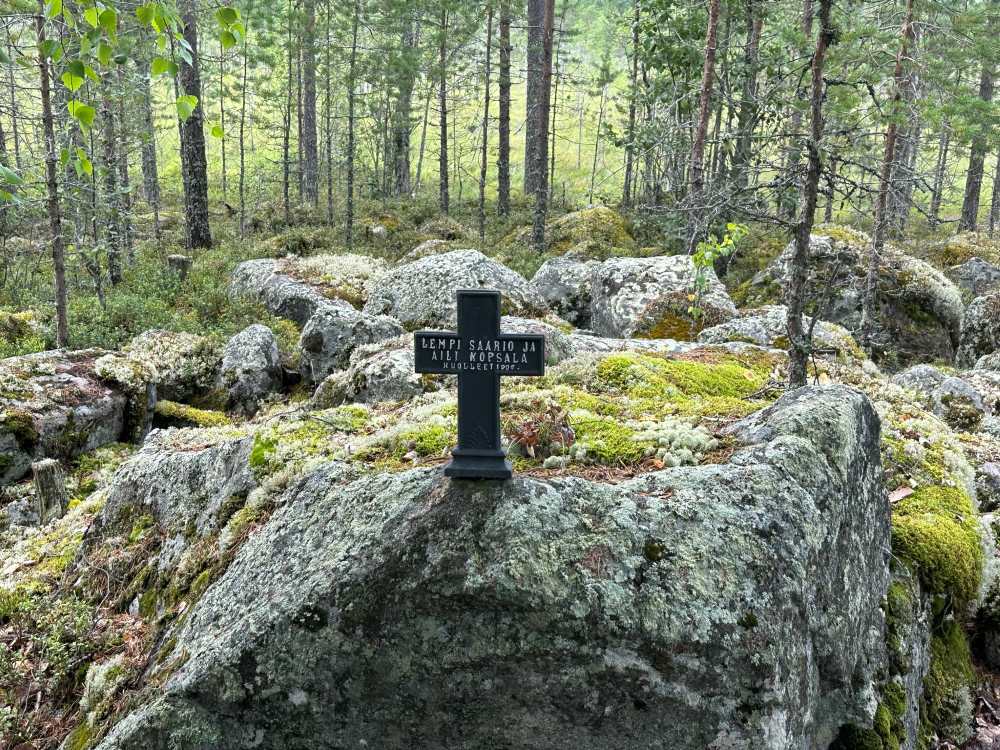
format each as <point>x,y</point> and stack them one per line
<point>988,486</point>
<point>422,293</point>
<point>987,384</point>
<point>980,329</point>
<point>57,405</point>
<point>651,297</point>
<point>988,362</point>
<point>426,249</point>
<point>919,308</point>
<point>377,372</point>
<point>184,365</point>
<point>958,404</point>
<point>766,326</point>
<point>922,379</point>
<point>975,276</point>
<point>585,341</point>
<point>558,345</point>
<point>564,283</point>
<point>734,605</point>
<point>251,369</point>
<point>333,333</point>
<point>262,281</point>
<point>21,513</point>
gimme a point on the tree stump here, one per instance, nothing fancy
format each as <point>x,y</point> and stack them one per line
<point>51,499</point>
<point>179,264</point>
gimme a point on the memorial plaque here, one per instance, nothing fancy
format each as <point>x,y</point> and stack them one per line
<point>479,354</point>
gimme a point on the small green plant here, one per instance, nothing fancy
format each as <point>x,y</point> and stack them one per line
<point>704,257</point>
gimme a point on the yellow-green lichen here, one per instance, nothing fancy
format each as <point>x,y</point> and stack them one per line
<point>950,678</point>
<point>936,529</point>
<point>605,438</point>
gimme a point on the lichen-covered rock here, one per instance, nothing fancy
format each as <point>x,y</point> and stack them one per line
<point>988,362</point>
<point>766,326</point>
<point>731,606</point>
<point>262,281</point>
<point>987,384</point>
<point>377,372</point>
<point>426,249</point>
<point>444,227</point>
<point>251,369</point>
<point>346,277</point>
<point>988,486</point>
<point>333,333</point>
<point>558,345</point>
<point>55,405</point>
<point>958,404</point>
<point>564,283</point>
<point>183,481</point>
<point>922,379</point>
<point>980,329</point>
<point>652,298</point>
<point>919,308</point>
<point>184,365</point>
<point>587,342</point>
<point>975,276</point>
<point>422,293</point>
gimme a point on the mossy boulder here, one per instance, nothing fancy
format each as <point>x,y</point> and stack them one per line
<point>444,228</point>
<point>57,405</point>
<point>333,333</point>
<point>980,334</point>
<point>656,298</point>
<point>919,309</point>
<point>975,277</point>
<point>592,233</point>
<point>564,282</point>
<point>263,281</point>
<point>346,276</point>
<point>184,365</point>
<point>767,326</point>
<point>680,593</point>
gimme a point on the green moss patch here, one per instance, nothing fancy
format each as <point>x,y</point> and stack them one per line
<point>951,677</point>
<point>172,414</point>
<point>936,529</point>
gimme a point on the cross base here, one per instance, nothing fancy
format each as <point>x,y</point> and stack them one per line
<point>472,464</point>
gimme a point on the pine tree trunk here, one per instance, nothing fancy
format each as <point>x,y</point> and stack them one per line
<point>194,167</point>
<point>801,340</point>
<point>633,96</point>
<point>977,158</point>
<point>597,144</point>
<point>541,112</point>
<point>112,230</point>
<point>124,181</point>
<point>14,116</point>
<point>870,299</point>
<point>995,198</point>
<point>403,114</point>
<point>150,176</point>
<point>423,134</point>
<point>696,175</point>
<point>351,96</point>
<point>222,122</point>
<point>443,113</point>
<point>243,121</point>
<point>310,157</point>
<point>533,72</point>
<point>746,118</point>
<point>940,170</point>
<point>328,103</point>
<point>286,141</point>
<point>786,208</point>
<point>503,137</point>
<point>52,187</point>
<point>486,125</point>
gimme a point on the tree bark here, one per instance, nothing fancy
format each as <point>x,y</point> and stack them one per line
<point>403,113</point>
<point>503,136</point>
<point>52,187</point>
<point>746,118</point>
<point>352,73</point>
<point>243,120</point>
<point>286,139</point>
<point>977,158</point>
<point>328,104</point>
<point>486,125</point>
<point>443,198</point>
<point>870,299</point>
<point>533,68</point>
<point>541,113</point>
<point>150,175</point>
<point>801,340</point>
<point>112,228</point>
<point>194,166</point>
<point>940,170</point>
<point>995,197</point>
<point>310,157</point>
<point>51,498</point>
<point>696,177</point>
<point>633,97</point>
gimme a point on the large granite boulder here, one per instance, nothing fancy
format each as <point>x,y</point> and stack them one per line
<point>920,309</point>
<point>766,326</point>
<point>382,371</point>
<point>251,369</point>
<point>594,232</point>
<point>334,332</point>
<point>60,404</point>
<point>184,365</point>
<point>263,281</point>
<point>975,276</point>
<point>980,329</point>
<point>564,283</point>
<point>734,605</point>
<point>558,344</point>
<point>422,293</point>
<point>653,297</point>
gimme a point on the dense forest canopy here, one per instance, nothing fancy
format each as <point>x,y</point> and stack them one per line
<point>133,131</point>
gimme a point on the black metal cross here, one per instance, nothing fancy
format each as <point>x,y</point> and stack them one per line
<point>479,354</point>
